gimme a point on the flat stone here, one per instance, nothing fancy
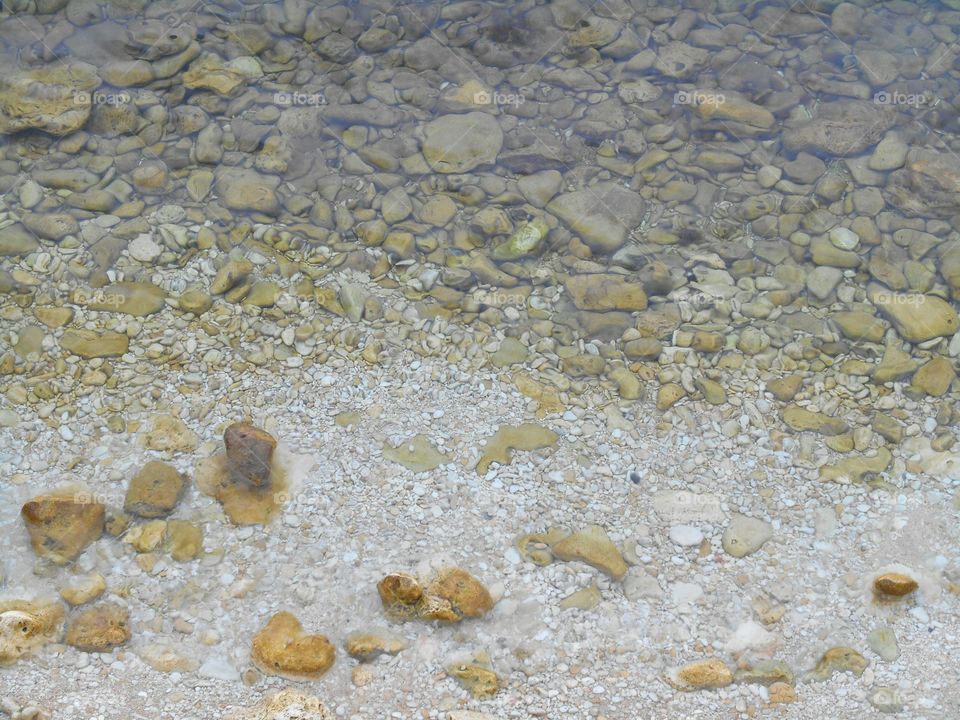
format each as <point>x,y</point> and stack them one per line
<point>592,546</point>
<point>133,298</point>
<point>883,641</point>
<point>154,491</point>
<point>84,589</point>
<point>51,226</point>
<point>479,681</point>
<point>282,648</point>
<point>935,376</point>
<point>800,419</point>
<point>417,454</point>
<point>91,344</point>
<point>100,628</point>
<point>366,646</point>
<point>459,143</point>
<point>745,535</point>
<point>603,215</point>
<point>603,291</point>
<point>709,674</point>
<point>46,98</point>
<point>686,535</point>
<point>62,526</point>
<point>184,540</point>
<point>16,240</point>
<point>842,128</point>
<point>247,190</point>
<point>526,436</point>
<point>916,317</point>
<point>839,659</point>
<point>856,469</point>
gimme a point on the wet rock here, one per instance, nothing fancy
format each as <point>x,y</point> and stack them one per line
<point>91,344</point>
<point>592,546</point>
<point>856,325</point>
<point>184,540</point>
<point>893,585</point>
<point>734,108</point>
<point>83,590</point>
<point>417,454</point>
<point>366,646</point>
<point>857,469</point>
<point>605,292</point>
<point>540,188</point>
<point>603,215</point>
<point>525,240</point>
<point>170,434</point>
<point>230,275</point>
<point>147,537</point>
<point>479,681</point>
<point>450,596</point>
<point>823,280</point>
<point>195,301</point>
<point>709,674</point>
<point>26,626</point>
<point>894,364</point>
<point>249,455</point>
<point>133,298</point>
<point>680,60</point>
<point>668,395</point>
<point>154,491</point>
<point>210,72</point>
<point>765,672</point>
<point>781,692</point>
<point>889,154</point>
<point>49,98</point>
<point>842,128</point>
<point>163,658</point>
<point>839,659</point>
<point>526,436</point>
<point>16,240</point>
<point>584,599</point>
<point>883,641</point>
<point>916,317</point>
<point>745,535</point>
<point>61,526</point>
<point>935,376</point>
<point>784,389</point>
<point>800,419</point>
<point>460,143</point>
<point>248,190</point>
<point>282,648</point>
<point>99,628</point>
<point>51,226</point>
<point>287,704</point>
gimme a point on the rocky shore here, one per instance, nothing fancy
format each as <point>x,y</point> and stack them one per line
<point>474,362</point>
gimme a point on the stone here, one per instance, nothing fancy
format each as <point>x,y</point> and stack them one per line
<point>784,389</point>
<point>800,419</point>
<point>84,589</point>
<point>288,704</point>
<point>889,154</point>
<point>839,659</point>
<point>935,376</point>
<point>709,674</point>
<point>592,546</point>
<point>628,384</point>
<point>133,298</point>
<point>510,352</point>
<point>54,317</point>
<point>842,128</point>
<point>147,537</point>
<point>526,436</point>
<point>396,206</point>
<point>54,98</point>
<point>894,365</point>
<point>163,658</point>
<point>26,626</point>
<point>603,215</point>
<point>367,646</point>
<point>16,240</point>
<point>479,681</point>
<point>843,238</point>
<point>417,454</point>
<point>184,540</point>
<point>765,672</point>
<point>90,344</point>
<point>916,317</point>
<point>247,190</point>
<point>894,585</point>
<point>856,469</point>
<point>144,249</point>
<point>540,188</point>
<point>857,325</point>
<point>459,143</point>
<point>604,291</point>
<point>169,434</point>
<point>154,491</point>
<point>230,275</point>
<point>668,395</point>
<point>745,535</point>
<point>438,210</point>
<point>686,535</point>
<point>210,72</point>
<point>823,280</point>
<point>62,526</point>
<point>282,648</point>
<point>781,692</point>
<point>195,301</point>
<point>50,226</point>
<point>525,240</point>
<point>99,628</point>
<point>883,641</point>
<point>583,365</point>
<point>400,594</point>
<point>450,596</point>
<point>584,599</point>
<point>735,108</point>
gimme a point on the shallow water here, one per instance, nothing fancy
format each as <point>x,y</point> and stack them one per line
<point>679,206</point>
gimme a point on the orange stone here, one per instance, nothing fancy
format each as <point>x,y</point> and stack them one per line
<point>282,648</point>
<point>894,584</point>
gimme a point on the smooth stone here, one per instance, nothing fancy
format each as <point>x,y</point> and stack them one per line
<point>154,491</point>
<point>883,641</point>
<point>282,648</point>
<point>244,189</point>
<point>526,436</point>
<point>935,376</point>
<point>916,317</point>
<point>709,674</point>
<point>460,143</point>
<point>51,226</point>
<point>844,238</point>
<point>839,659</point>
<point>686,535</point>
<point>16,240</point>
<point>603,215</point>
<point>745,535</point>
<point>49,98</point>
<point>604,291</point>
<point>592,546</point>
<point>90,344</point>
<point>134,298</point>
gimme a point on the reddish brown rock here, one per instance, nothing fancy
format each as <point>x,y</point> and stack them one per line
<point>894,585</point>
<point>61,526</point>
<point>154,491</point>
<point>249,455</point>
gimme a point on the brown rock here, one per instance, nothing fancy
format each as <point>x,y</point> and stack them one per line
<point>249,455</point>
<point>839,659</point>
<point>61,526</point>
<point>184,540</point>
<point>285,705</point>
<point>169,433</point>
<point>85,589</point>
<point>784,389</point>
<point>26,626</point>
<point>481,682</point>
<point>400,593</point>
<point>605,292</point>
<point>593,546</point>
<point>894,585</point>
<point>452,595</point>
<point>466,595</point>
<point>366,646</point>
<point>282,648</point>
<point>100,628</point>
<point>935,376</point>
<point>154,491</point>
<point>781,692</point>
<point>708,674</point>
